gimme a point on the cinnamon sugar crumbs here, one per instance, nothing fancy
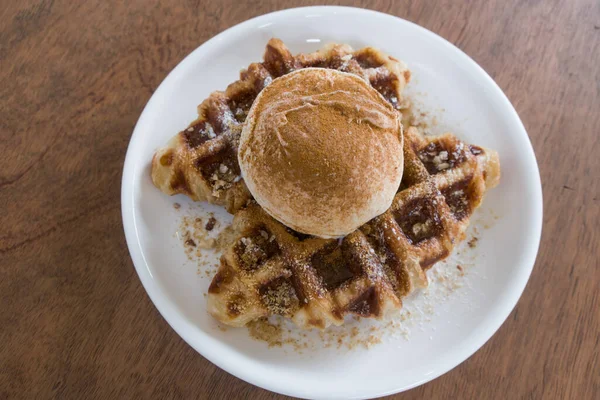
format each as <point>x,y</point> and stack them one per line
<point>417,114</point>
<point>276,333</point>
<point>373,340</point>
<point>195,237</point>
<point>280,299</point>
<point>210,224</point>
<point>264,331</point>
<point>206,268</point>
<point>199,242</point>
<point>473,242</point>
<point>411,116</point>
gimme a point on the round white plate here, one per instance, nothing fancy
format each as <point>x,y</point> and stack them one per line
<point>445,79</point>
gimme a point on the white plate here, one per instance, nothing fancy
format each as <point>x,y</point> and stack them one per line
<point>444,78</point>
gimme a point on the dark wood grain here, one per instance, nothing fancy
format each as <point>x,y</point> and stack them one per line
<point>75,321</point>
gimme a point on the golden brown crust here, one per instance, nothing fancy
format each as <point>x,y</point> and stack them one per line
<point>321,151</point>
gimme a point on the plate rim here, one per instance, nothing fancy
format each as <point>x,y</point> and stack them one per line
<point>180,325</point>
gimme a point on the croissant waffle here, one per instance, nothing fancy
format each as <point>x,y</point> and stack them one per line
<point>272,270</point>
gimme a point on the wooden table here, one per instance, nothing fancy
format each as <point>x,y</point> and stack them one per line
<point>75,321</point>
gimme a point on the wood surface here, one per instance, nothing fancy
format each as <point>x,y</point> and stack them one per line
<point>75,321</point>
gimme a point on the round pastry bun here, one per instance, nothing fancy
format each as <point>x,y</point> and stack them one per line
<point>321,151</point>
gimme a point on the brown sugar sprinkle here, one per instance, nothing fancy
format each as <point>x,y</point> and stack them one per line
<point>210,224</point>
<point>460,268</point>
<point>176,206</point>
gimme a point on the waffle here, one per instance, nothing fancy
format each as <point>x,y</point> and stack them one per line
<point>271,270</point>
<point>201,161</point>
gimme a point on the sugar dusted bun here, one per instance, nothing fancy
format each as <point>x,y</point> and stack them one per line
<point>321,151</point>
